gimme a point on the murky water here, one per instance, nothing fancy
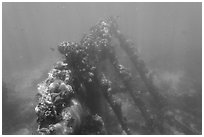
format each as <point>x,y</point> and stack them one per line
<point>167,35</point>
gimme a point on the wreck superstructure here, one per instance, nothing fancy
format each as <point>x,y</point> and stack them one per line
<point>75,96</point>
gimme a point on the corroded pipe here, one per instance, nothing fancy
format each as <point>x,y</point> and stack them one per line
<point>115,105</point>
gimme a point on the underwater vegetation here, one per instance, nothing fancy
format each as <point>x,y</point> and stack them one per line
<point>81,93</point>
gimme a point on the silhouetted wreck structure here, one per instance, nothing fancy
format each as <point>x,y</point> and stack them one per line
<point>77,94</point>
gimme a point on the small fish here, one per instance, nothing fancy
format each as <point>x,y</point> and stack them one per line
<point>52,49</point>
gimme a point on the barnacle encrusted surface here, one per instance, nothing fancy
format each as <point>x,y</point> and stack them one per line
<point>60,109</point>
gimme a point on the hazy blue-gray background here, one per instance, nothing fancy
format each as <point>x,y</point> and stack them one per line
<point>168,35</point>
